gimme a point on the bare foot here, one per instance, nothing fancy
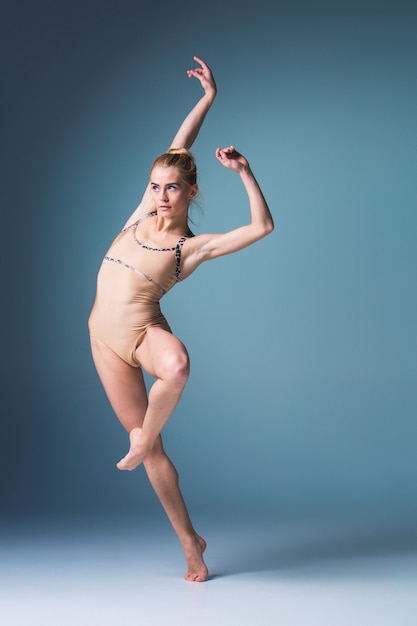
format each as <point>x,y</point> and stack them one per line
<point>137,453</point>
<point>197,570</point>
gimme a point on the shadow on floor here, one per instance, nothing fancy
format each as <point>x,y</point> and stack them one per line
<point>281,550</point>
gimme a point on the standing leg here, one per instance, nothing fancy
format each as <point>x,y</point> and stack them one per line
<point>164,479</point>
<point>125,389</point>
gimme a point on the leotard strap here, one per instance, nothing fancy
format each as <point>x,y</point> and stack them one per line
<point>178,250</point>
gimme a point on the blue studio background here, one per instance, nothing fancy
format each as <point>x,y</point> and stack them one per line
<point>303,347</point>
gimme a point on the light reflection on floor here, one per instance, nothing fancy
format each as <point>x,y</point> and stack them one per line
<point>281,573</point>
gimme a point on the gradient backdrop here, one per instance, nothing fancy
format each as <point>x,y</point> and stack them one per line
<point>303,347</point>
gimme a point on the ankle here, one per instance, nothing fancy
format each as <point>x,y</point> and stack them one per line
<point>139,438</point>
<point>189,540</point>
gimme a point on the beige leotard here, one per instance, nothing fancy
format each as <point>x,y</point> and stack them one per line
<point>131,281</point>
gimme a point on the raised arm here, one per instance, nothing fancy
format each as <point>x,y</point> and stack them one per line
<point>190,127</point>
<point>188,130</point>
<point>204,247</point>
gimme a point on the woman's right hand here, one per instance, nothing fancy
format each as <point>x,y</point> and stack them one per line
<point>205,77</point>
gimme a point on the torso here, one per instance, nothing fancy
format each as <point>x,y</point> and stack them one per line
<point>133,277</point>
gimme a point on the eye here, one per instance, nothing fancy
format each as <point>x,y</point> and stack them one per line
<point>172,187</point>
<point>154,187</point>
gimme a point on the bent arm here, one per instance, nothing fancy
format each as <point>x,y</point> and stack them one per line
<point>261,223</point>
<point>188,130</point>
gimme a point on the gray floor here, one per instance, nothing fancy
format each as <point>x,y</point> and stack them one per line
<point>283,573</point>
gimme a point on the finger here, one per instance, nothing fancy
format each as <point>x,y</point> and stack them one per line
<point>198,70</point>
<point>196,73</point>
<point>202,63</point>
<point>221,156</point>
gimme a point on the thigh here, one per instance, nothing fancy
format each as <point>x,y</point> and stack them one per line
<point>123,384</point>
<point>160,351</point>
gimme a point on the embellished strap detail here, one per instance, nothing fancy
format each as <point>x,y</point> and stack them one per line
<point>178,250</point>
<point>139,221</point>
<point>133,269</point>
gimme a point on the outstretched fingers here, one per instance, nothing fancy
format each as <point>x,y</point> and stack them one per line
<point>198,71</point>
<point>204,75</point>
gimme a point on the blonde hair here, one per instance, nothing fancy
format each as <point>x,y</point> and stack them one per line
<point>183,160</point>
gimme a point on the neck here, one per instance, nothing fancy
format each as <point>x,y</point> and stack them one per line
<point>172,225</point>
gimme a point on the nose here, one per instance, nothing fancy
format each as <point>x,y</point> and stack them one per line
<point>163,194</point>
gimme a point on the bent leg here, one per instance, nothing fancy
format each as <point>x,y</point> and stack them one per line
<point>165,358</point>
<point>126,391</point>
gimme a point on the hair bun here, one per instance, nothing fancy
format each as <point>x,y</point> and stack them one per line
<point>180,151</point>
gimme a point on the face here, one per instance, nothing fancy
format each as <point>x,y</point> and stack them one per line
<point>170,194</point>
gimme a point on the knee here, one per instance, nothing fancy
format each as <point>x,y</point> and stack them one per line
<point>176,369</point>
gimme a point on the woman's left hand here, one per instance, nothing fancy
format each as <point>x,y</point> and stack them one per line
<point>231,158</point>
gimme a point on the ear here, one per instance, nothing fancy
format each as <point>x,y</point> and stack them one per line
<point>193,191</point>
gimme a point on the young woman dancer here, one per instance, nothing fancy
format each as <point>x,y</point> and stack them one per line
<point>128,332</point>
